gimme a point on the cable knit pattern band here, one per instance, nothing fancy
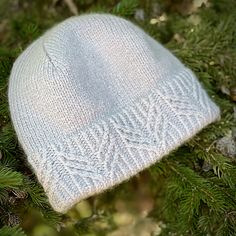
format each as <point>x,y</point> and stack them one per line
<point>95,100</point>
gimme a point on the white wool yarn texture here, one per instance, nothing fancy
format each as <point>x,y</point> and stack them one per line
<point>95,100</point>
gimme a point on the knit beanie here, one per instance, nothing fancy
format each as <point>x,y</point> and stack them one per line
<point>95,100</point>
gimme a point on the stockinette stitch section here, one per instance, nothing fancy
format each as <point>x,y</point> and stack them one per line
<point>95,100</point>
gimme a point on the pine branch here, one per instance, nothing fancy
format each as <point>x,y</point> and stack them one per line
<point>187,193</point>
<point>11,231</point>
<point>125,7</point>
<point>36,193</point>
<point>10,178</point>
<point>3,196</point>
<point>8,141</point>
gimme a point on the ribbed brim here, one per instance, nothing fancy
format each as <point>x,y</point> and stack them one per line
<point>105,154</point>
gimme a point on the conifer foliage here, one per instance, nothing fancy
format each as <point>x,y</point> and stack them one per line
<point>192,190</point>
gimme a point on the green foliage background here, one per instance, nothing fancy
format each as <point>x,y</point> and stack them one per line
<point>190,192</point>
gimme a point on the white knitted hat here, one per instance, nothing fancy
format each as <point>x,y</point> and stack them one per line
<point>95,100</point>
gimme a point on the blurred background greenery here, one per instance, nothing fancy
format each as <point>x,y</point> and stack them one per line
<point>190,192</point>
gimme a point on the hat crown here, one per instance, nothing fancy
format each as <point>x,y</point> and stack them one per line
<point>103,56</point>
<point>86,69</point>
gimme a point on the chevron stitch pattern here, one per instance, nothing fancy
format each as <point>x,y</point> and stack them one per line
<point>124,144</point>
